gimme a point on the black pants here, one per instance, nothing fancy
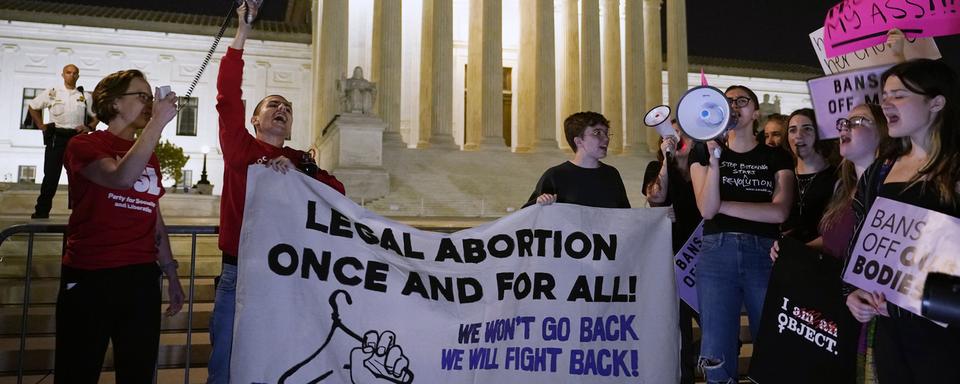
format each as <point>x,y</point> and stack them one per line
<point>56,141</point>
<point>121,305</point>
<point>910,349</point>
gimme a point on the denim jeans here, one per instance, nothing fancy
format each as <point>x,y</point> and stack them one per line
<point>732,272</point>
<point>221,326</point>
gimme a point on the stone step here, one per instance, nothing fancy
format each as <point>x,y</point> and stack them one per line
<point>164,376</point>
<point>52,245</point>
<point>172,354</point>
<point>44,244</point>
<point>39,354</point>
<point>41,320</point>
<point>48,267</point>
<point>173,341</point>
<point>22,201</point>
<point>44,291</point>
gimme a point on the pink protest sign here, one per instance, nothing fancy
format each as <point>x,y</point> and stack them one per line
<point>857,24</point>
<point>899,244</point>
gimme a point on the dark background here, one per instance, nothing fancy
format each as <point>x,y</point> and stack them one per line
<point>753,30</point>
<point>769,31</point>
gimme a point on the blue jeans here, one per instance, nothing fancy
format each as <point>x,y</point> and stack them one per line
<point>732,272</point>
<point>221,326</point>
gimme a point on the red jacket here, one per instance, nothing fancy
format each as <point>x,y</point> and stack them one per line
<point>240,149</point>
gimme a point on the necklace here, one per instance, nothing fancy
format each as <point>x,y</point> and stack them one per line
<point>804,183</point>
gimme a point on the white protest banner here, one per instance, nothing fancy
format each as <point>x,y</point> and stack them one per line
<point>834,96</point>
<point>857,24</point>
<point>685,266</point>
<point>913,48</point>
<point>898,246</point>
<point>330,292</point>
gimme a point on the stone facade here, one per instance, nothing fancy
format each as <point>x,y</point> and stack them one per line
<point>32,54</point>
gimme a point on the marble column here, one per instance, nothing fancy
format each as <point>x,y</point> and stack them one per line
<point>653,59</point>
<point>536,99</point>
<point>635,104</point>
<point>612,76</point>
<point>385,73</point>
<point>571,68</point>
<point>590,91</point>
<point>436,75</point>
<point>677,65</point>
<point>484,120</point>
<point>330,62</point>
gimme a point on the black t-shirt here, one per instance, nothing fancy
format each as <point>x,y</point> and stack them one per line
<point>747,177</point>
<point>811,195</point>
<point>599,187</point>
<point>923,194</point>
<point>680,195</point>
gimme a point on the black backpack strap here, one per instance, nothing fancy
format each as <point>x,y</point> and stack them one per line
<point>875,181</point>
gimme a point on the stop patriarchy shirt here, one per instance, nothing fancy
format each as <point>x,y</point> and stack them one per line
<point>747,177</point>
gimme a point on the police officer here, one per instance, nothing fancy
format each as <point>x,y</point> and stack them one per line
<point>70,108</point>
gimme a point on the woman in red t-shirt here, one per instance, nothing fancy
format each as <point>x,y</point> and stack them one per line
<point>110,286</point>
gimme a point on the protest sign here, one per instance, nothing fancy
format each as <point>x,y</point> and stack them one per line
<point>853,25</point>
<point>685,266</point>
<point>834,96</point>
<point>898,245</point>
<point>330,292</point>
<point>805,320</point>
<point>913,48</point>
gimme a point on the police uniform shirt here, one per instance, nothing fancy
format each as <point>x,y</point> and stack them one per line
<point>68,107</point>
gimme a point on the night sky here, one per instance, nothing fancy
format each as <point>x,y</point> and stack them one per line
<point>754,30</point>
<point>769,31</point>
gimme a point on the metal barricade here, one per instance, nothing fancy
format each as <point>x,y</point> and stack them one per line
<point>31,230</point>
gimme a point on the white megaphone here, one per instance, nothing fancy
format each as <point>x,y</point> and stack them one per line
<point>704,113</point>
<point>658,118</point>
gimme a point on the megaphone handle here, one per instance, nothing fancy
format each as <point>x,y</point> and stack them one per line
<point>718,150</point>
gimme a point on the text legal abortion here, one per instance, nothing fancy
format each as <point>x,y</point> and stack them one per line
<point>286,260</point>
<point>523,243</point>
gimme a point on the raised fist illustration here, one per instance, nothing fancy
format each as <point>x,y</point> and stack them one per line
<point>379,360</point>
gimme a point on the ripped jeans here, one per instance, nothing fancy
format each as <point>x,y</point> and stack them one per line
<point>732,272</point>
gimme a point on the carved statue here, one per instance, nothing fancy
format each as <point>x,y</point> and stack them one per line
<point>356,93</point>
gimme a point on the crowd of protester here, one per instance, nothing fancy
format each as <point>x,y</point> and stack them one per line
<point>801,185</point>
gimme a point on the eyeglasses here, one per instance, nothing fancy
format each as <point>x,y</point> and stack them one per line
<point>844,124</point>
<point>739,102</point>
<point>601,133</point>
<point>146,98</point>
